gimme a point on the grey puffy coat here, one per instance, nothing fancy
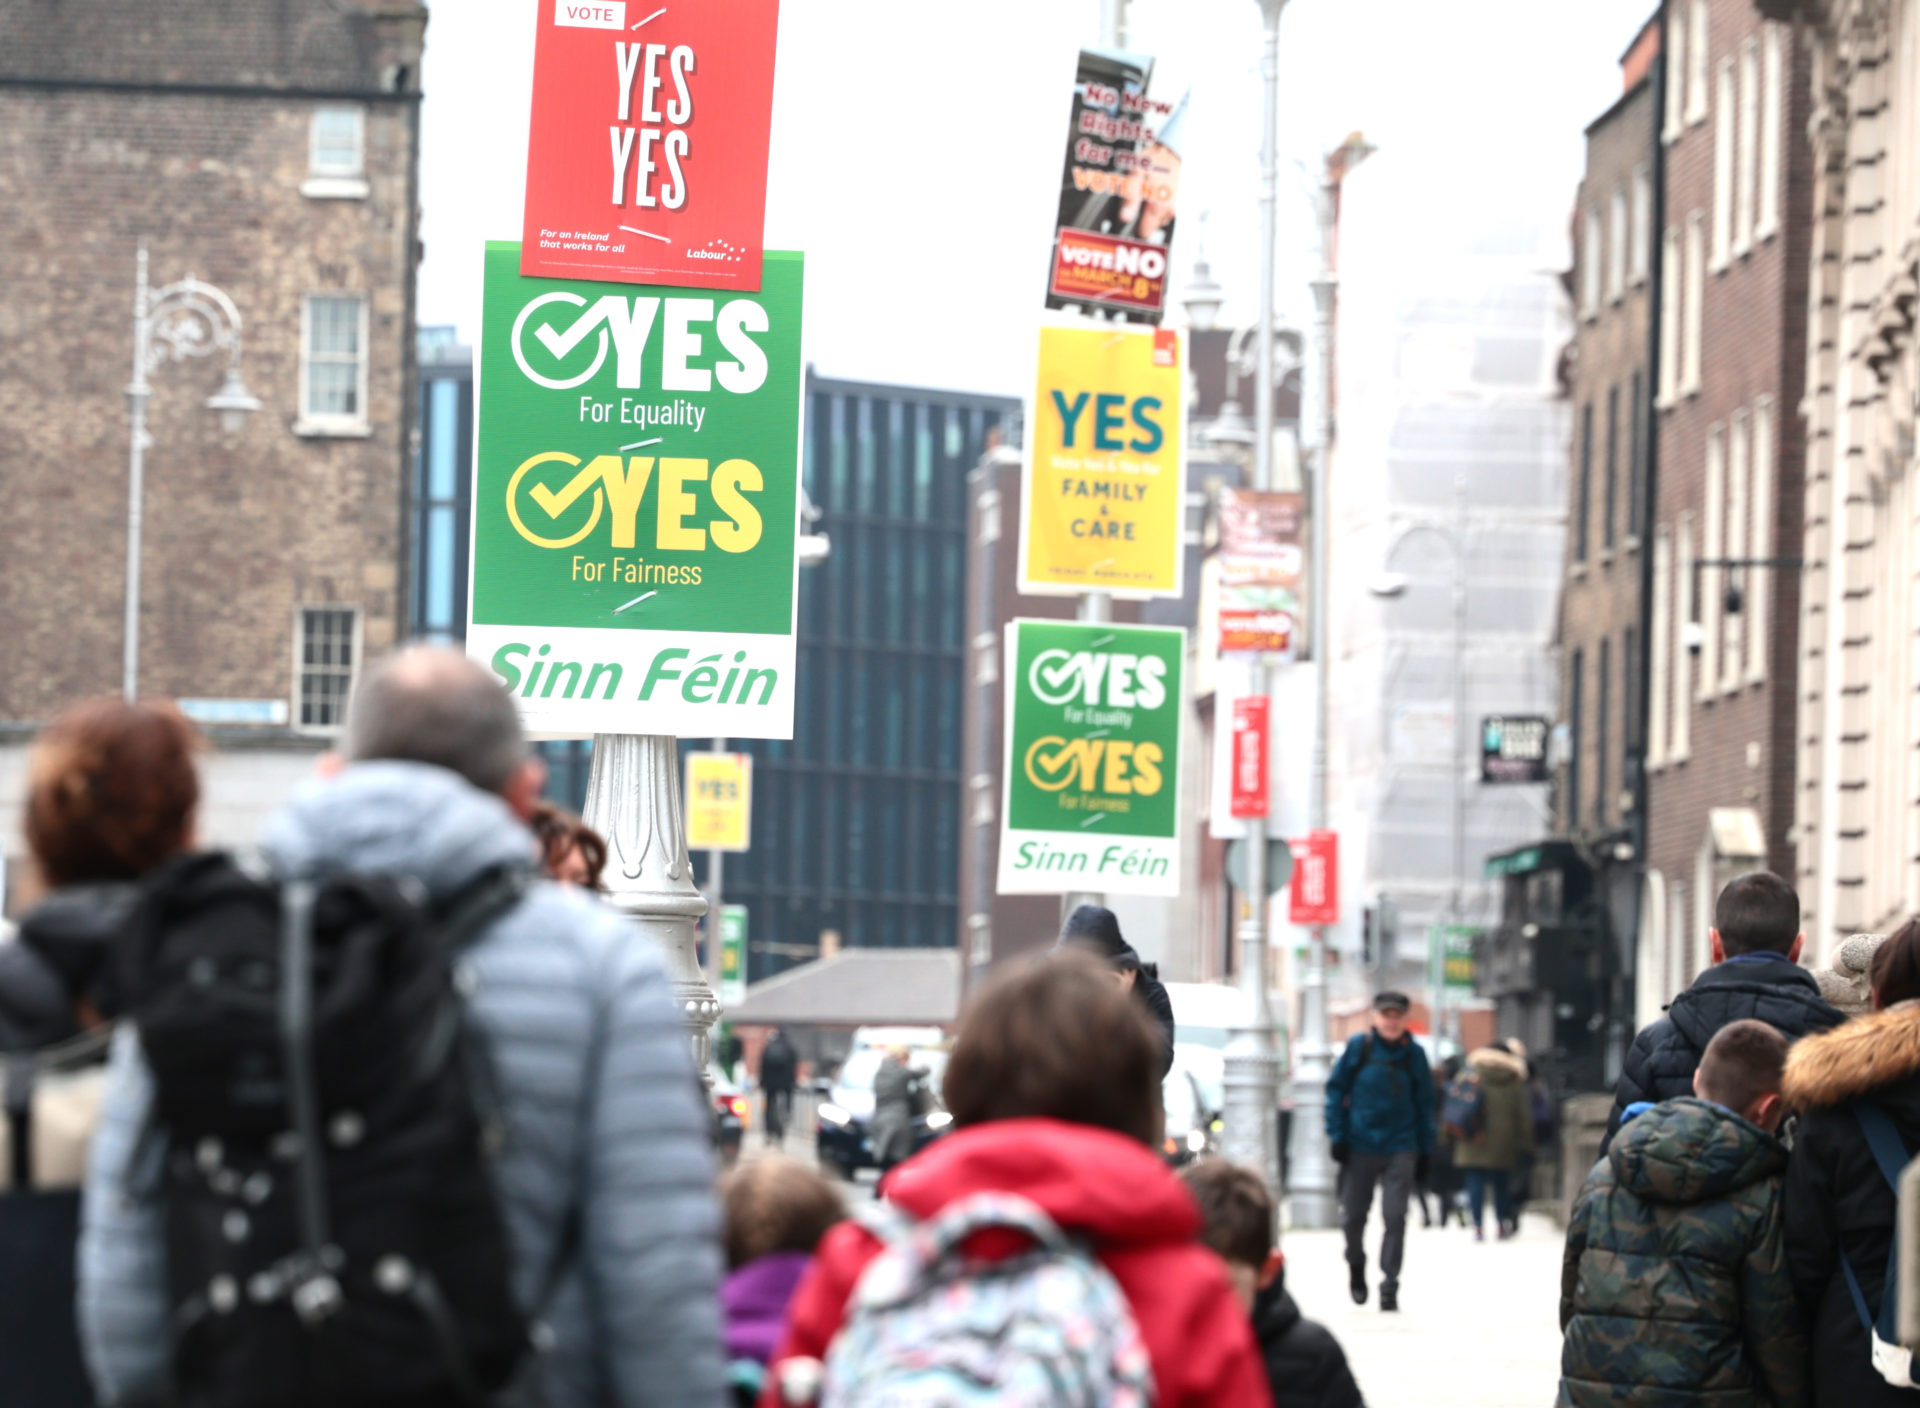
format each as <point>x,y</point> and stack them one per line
<point>602,1100</point>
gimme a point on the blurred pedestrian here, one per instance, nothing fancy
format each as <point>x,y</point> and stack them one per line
<point>896,1103</point>
<point>1306,1368</point>
<point>777,1210</point>
<point>1755,942</point>
<point>111,795</point>
<point>1380,1123</point>
<point>1856,1091</point>
<point>1054,1089</point>
<point>1489,1157</point>
<point>1443,1180</point>
<point>779,1067</point>
<point>1094,929</point>
<point>1674,1285</point>
<point>571,851</point>
<point>603,1171</point>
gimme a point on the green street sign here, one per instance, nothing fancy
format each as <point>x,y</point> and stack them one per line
<point>1091,797</point>
<point>1452,947</point>
<point>733,954</point>
<point>636,502</point>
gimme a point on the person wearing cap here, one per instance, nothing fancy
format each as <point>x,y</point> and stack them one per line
<point>1093,929</point>
<point>1380,1123</point>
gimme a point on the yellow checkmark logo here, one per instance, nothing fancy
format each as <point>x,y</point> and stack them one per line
<point>1053,763</point>
<point>554,502</point>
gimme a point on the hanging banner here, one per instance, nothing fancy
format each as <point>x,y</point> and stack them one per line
<point>647,150</point>
<point>1262,566</point>
<point>1119,188</point>
<point>1102,505</point>
<point>1314,898</point>
<point>1250,746</point>
<point>636,503</point>
<point>719,801</point>
<point>1092,777</point>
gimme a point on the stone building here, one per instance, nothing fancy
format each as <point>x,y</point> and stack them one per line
<point>1730,362</point>
<point>1558,961</point>
<point>272,151</point>
<point>1858,812</point>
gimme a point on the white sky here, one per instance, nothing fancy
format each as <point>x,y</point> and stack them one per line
<point>917,148</point>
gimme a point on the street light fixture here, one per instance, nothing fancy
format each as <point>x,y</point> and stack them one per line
<point>1203,297</point>
<point>183,319</point>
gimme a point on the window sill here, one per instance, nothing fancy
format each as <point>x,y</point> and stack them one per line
<point>335,188</point>
<point>1630,544</point>
<point>1606,557</point>
<point>1578,572</point>
<point>332,429</point>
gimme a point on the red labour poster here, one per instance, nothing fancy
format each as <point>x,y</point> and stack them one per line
<point>647,155</point>
<point>1315,894</point>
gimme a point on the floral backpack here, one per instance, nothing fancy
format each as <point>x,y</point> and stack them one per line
<point>929,1327</point>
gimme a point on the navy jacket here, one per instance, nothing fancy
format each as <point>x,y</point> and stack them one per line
<point>1380,1097</point>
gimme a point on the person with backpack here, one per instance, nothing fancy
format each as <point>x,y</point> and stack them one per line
<point>779,1070</point>
<point>1489,1121</point>
<point>1042,1251</point>
<point>111,795</point>
<point>399,1122</point>
<point>1755,941</point>
<point>1380,1123</point>
<point>1674,1284</point>
<point>1856,1091</point>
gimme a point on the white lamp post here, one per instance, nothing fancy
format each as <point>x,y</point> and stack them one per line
<point>184,319</point>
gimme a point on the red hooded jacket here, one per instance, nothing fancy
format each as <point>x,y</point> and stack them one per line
<point>1111,1189</point>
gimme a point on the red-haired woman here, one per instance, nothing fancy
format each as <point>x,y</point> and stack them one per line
<point>111,794</point>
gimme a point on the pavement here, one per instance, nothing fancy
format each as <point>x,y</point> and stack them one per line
<point>1478,1324</point>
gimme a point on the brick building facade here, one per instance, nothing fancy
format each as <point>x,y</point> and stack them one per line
<point>271,151</point>
<point>1730,450</point>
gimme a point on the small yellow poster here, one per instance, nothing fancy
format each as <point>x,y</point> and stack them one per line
<point>1106,453</point>
<point>719,801</point>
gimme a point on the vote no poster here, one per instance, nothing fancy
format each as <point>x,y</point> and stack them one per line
<point>1119,186</point>
<point>1091,790</point>
<point>647,148</point>
<point>636,502</point>
<point>1105,470</point>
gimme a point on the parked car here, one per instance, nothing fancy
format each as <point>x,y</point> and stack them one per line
<point>1192,1121</point>
<point>845,1114</point>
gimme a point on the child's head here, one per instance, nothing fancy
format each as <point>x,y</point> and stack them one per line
<point>776,1204</point>
<point>1236,1222</point>
<point>1741,1070</point>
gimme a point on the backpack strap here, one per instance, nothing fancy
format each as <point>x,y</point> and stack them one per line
<point>1890,1153</point>
<point>315,1293</point>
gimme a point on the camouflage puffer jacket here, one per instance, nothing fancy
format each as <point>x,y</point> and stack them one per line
<point>1674,1289</point>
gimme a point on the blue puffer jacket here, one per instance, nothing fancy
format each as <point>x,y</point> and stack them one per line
<point>1380,1097</point>
<point>614,1122</point>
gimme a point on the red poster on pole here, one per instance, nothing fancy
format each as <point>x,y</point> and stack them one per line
<point>1315,895</point>
<point>647,153</point>
<point>1249,793</point>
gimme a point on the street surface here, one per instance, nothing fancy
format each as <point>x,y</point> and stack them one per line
<point>1478,1325</point>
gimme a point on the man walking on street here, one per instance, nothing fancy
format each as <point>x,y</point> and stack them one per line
<point>779,1066</point>
<point>604,1171</point>
<point>1756,973</point>
<point>1380,1123</point>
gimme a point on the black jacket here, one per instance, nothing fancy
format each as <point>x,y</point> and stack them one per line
<point>1836,1198</point>
<point>1663,1058</point>
<point>1305,1364</point>
<point>59,957</point>
<point>779,1064</point>
<point>1153,995</point>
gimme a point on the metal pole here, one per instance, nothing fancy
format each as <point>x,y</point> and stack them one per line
<point>1310,1161</point>
<point>137,392</point>
<point>1252,1067</point>
<point>716,909</point>
<point>633,799</point>
<point>1455,903</point>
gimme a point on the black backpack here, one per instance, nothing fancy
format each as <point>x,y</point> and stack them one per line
<point>333,1236</point>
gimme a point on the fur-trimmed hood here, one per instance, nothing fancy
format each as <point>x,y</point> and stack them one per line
<point>1863,1055</point>
<point>1493,1063</point>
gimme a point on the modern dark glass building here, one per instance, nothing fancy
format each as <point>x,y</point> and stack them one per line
<point>856,820</point>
